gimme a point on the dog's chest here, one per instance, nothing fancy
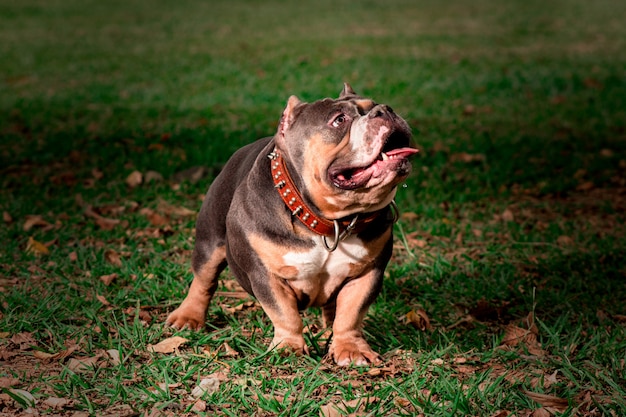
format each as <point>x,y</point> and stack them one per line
<point>344,261</point>
<point>318,273</point>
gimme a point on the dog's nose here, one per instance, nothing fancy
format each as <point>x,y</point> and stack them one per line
<point>381,110</point>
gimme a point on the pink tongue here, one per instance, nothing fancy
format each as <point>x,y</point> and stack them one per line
<point>404,152</point>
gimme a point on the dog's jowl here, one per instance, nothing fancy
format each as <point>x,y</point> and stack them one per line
<point>304,218</point>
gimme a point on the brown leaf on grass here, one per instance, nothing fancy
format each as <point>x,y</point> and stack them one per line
<point>517,336</point>
<point>199,406</point>
<point>73,256</point>
<point>24,340</point>
<point>83,364</point>
<point>103,300</point>
<point>193,175</point>
<point>36,248</point>
<point>467,157</point>
<point>207,385</point>
<point>565,241</point>
<point>540,412</point>
<point>104,223</point>
<point>134,179</point>
<point>229,351</point>
<point>593,83</point>
<point>157,220</point>
<point>241,295</point>
<point>108,279</point>
<point>502,413</point>
<point>6,217</point>
<point>620,318</point>
<point>418,319</point>
<point>508,216</point>
<point>178,211</point>
<point>55,356</point>
<point>585,186</point>
<point>559,404</point>
<point>34,220</point>
<point>409,216</point>
<point>545,381</point>
<point>353,407</point>
<point>25,396</point>
<point>152,176</point>
<point>168,345</point>
<point>142,314</point>
<point>113,258</point>
<point>114,357</point>
<point>58,403</point>
<point>6,382</point>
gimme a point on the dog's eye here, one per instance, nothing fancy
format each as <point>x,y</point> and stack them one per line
<point>339,120</point>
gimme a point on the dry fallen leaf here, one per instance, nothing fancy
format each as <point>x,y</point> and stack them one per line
<point>24,396</point>
<point>34,221</point>
<point>178,211</point>
<point>152,176</point>
<point>541,412</point>
<point>206,386</point>
<point>73,256</point>
<point>409,216</point>
<point>157,220</point>
<point>104,223</point>
<point>229,351</point>
<point>564,241</point>
<point>199,406</point>
<point>134,179</point>
<point>55,356</point>
<point>508,216</point>
<point>559,404</point>
<point>103,300</point>
<point>36,248</point>
<point>353,407</point>
<point>58,403</point>
<point>108,279</point>
<point>113,258</point>
<point>168,345</point>
<point>467,157</point>
<point>114,356</point>
<point>418,319</point>
<point>6,217</point>
<point>6,382</point>
<point>83,364</point>
<point>585,186</point>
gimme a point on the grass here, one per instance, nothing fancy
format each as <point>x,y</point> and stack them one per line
<point>516,205</point>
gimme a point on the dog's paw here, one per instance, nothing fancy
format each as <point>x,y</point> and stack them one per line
<point>184,317</point>
<point>290,345</point>
<point>353,351</point>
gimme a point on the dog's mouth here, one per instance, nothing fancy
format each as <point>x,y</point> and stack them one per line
<point>393,156</point>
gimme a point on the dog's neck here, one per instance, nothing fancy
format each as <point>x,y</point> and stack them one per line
<point>289,193</point>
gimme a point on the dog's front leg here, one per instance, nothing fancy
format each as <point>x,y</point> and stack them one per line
<point>348,344</point>
<point>281,305</point>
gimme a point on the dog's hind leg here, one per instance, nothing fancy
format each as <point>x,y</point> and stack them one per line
<point>207,266</point>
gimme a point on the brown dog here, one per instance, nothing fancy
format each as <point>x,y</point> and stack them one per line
<point>304,219</point>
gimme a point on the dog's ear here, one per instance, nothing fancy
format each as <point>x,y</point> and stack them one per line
<point>347,91</point>
<point>288,115</point>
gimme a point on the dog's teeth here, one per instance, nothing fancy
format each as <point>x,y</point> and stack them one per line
<point>384,155</point>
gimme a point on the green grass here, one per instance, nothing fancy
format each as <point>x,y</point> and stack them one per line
<point>516,205</point>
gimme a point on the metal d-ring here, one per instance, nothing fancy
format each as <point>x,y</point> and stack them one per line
<point>336,241</point>
<point>340,236</point>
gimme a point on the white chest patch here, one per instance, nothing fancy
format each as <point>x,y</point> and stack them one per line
<point>320,271</point>
<point>319,261</point>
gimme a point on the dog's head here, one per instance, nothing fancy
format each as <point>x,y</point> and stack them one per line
<point>347,154</point>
